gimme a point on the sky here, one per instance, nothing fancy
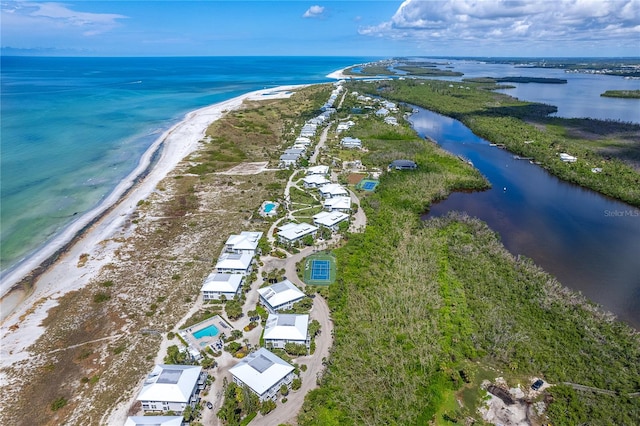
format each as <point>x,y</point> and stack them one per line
<point>521,28</point>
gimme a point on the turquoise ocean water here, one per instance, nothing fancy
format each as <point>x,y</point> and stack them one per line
<point>73,128</point>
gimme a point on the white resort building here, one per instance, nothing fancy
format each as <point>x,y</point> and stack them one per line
<point>318,170</point>
<point>314,181</point>
<point>280,296</point>
<point>281,329</point>
<point>246,242</point>
<point>172,388</point>
<point>340,204</point>
<point>349,142</point>
<point>233,263</point>
<point>264,373</point>
<point>333,190</point>
<point>227,285</point>
<point>330,220</point>
<point>294,232</point>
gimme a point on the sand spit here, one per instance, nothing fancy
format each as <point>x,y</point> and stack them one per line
<point>91,241</point>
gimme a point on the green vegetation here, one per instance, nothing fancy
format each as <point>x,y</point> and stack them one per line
<point>58,403</point>
<point>175,355</point>
<point>422,308</point>
<point>101,297</point>
<point>525,129</point>
<point>233,309</point>
<point>429,71</point>
<point>628,94</point>
<point>238,402</point>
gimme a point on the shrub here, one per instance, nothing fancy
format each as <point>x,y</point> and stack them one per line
<point>267,406</point>
<point>101,297</point>
<point>296,384</point>
<point>58,403</point>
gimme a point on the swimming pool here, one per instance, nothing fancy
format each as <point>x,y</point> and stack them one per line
<point>208,331</point>
<point>268,207</point>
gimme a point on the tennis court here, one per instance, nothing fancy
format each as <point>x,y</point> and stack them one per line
<point>368,184</point>
<point>320,269</point>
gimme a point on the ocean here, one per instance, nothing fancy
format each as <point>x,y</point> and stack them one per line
<point>73,128</point>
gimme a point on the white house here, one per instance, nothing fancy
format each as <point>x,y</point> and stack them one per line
<point>389,105</point>
<point>234,263</point>
<point>293,232</point>
<point>154,421</point>
<point>349,142</point>
<point>330,219</point>
<point>315,181</point>
<point>172,388</point>
<point>246,242</point>
<point>294,151</point>
<point>280,296</point>
<point>263,372</point>
<point>391,120</point>
<point>341,204</point>
<point>318,170</point>
<point>344,126</point>
<point>287,160</point>
<point>382,112</point>
<point>281,329</point>
<point>307,133</point>
<point>302,141</point>
<point>227,285</point>
<point>333,190</point>
<point>568,158</point>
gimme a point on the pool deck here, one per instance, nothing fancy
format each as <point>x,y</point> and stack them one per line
<point>203,342</point>
<point>272,212</point>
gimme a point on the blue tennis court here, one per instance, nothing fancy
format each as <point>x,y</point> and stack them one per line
<point>320,270</point>
<point>367,184</point>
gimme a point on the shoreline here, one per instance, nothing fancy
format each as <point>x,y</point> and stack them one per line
<point>54,270</point>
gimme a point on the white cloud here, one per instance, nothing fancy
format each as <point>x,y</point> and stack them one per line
<point>44,15</point>
<point>314,12</point>
<point>505,21</point>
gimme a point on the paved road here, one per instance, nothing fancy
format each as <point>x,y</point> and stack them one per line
<point>358,219</point>
<point>321,142</point>
<point>287,412</point>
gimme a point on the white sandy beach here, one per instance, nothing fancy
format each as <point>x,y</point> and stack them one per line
<point>21,319</point>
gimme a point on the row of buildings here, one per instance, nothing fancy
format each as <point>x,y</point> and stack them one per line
<point>173,388</point>
<point>292,155</point>
<point>336,202</point>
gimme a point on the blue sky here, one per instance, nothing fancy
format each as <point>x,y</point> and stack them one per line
<point>326,28</point>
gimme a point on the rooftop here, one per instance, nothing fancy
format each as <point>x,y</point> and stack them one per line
<point>293,231</point>
<point>261,370</point>
<point>281,293</point>
<point>223,283</point>
<point>286,327</point>
<point>173,383</point>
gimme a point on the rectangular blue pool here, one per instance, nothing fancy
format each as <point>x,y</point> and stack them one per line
<point>208,331</point>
